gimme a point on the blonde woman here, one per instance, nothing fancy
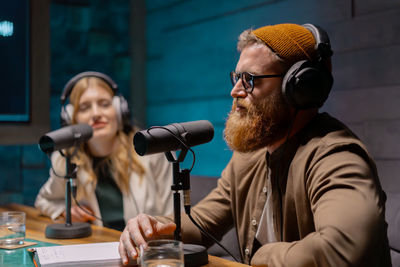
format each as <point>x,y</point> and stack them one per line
<point>114,183</point>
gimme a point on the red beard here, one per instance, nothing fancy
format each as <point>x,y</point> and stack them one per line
<point>259,125</point>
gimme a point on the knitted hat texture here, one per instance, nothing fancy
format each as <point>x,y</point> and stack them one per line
<point>291,42</point>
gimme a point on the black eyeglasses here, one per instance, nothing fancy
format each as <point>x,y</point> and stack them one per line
<point>248,79</point>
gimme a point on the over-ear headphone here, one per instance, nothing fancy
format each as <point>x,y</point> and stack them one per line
<point>119,102</point>
<point>307,83</point>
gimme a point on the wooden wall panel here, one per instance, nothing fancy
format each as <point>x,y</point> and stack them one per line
<point>388,169</point>
<point>376,103</point>
<point>369,31</point>
<point>362,7</point>
<point>353,69</point>
<point>383,138</point>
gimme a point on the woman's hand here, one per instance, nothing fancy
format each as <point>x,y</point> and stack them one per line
<point>78,215</point>
<point>139,229</point>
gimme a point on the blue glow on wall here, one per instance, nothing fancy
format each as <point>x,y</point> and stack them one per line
<point>6,28</point>
<point>14,66</point>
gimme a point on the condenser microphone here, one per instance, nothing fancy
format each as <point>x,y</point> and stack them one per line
<point>65,137</point>
<point>172,137</point>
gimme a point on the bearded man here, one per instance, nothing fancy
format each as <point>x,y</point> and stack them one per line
<point>300,188</point>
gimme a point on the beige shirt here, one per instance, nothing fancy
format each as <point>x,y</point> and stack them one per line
<point>151,194</point>
<point>328,204</point>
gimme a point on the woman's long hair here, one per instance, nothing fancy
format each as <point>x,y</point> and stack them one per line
<point>123,160</point>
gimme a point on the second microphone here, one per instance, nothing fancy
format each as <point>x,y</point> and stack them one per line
<point>164,138</point>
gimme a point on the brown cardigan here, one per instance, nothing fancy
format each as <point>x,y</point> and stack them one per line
<point>332,203</point>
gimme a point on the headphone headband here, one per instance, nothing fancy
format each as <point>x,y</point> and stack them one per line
<point>322,42</point>
<point>74,80</point>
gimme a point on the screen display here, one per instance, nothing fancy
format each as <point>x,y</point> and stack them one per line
<point>14,64</point>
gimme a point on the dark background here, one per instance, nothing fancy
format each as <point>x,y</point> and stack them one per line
<point>14,66</point>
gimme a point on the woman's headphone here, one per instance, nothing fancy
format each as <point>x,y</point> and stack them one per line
<point>307,83</point>
<point>119,102</point>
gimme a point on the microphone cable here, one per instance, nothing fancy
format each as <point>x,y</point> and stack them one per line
<point>394,249</point>
<point>180,140</point>
<point>89,213</point>
<point>187,210</point>
<point>187,207</point>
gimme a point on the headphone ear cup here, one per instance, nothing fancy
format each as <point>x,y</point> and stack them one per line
<point>67,113</point>
<point>117,106</point>
<point>306,85</point>
<point>123,114</point>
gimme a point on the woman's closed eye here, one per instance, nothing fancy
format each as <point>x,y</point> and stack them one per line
<point>104,103</point>
<point>83,107</point>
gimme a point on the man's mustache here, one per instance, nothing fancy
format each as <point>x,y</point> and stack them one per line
<point>241,103</point>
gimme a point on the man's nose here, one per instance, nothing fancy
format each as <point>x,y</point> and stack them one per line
<point>238,90</point>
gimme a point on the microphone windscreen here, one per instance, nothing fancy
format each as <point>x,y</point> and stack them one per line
<point>65,137</point>
<point>165,138</point>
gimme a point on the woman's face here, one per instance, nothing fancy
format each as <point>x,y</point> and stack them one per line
<point>96,109</point>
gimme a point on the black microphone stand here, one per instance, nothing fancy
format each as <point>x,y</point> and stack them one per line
<point>68,229</point>
<point>194,255</point>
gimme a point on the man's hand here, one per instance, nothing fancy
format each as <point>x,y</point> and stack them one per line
<point>78,215</point>
<point>139,229</point>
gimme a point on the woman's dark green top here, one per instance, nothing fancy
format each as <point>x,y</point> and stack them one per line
<point>108,195</point>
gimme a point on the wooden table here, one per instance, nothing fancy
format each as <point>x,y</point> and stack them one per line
<point>36,225</point>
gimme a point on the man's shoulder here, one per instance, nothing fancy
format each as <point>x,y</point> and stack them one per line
<point>327,130</point>
<point>326,135</point>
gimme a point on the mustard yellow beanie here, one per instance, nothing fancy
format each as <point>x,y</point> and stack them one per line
<point>291,42</point>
